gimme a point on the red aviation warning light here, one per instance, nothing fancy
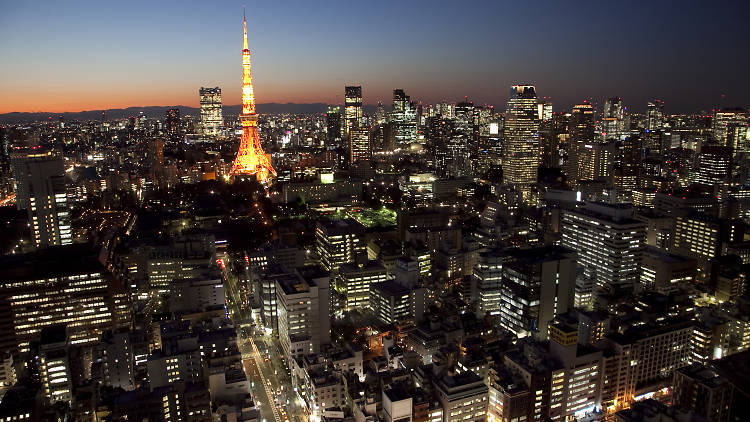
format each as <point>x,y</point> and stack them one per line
<point>250,160</point>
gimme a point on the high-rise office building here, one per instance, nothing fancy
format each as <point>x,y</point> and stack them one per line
<point>333,126</point>
<point>212,119</point>
<point>359,144</point>
<point>521,138</point>
<point>59,285</point>
<point>380,115</point>
<point>730,129</point>
<point>702,390</point>
<point>352,108</point>
<point>626,174</point>
<point>580,161</point>
<point>613,119</point>
<point>654,115</point>
<point>354,280</point>
<point>609,243</point>
<point>464,397</point>
<point>451,149</point>
<point>714,166</point>
<point>40,190</point>
<point>118,358</point>
<point>546,109</point>
<point>339,242</point>
<point>537,284</point>
<point>303,301</point>
<point>172,121</point>
<point>55,370</point>
<point>404,118</point>
<point>488,276</point>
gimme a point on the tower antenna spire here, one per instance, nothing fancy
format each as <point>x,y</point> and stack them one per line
<point>251,159</point>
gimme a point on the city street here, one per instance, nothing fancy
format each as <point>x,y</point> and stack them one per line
<point>270,382</point>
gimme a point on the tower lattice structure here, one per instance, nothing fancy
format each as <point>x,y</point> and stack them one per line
<point>250,160</point>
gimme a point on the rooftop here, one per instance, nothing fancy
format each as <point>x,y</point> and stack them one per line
<point>390,288</point>
<point>52,262</point>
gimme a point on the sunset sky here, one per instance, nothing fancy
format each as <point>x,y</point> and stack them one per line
<point>87,55</point>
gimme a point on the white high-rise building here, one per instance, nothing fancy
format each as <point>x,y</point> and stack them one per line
<point>40,190</point>
<point>303,306</point>
<point>54,367</point>
<point>613,119</point>
<point>609,243</point>
<point>488,273</point>
<point>212,119</point>
<point>522,139</point>
<point>339,242</point>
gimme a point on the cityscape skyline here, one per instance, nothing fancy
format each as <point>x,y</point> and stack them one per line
<point>480,54</point>
<point>425,259</point>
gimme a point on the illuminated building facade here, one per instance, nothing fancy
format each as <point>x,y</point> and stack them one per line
<point>359,144</point>
<point>404,118</point>
<point>730,129</point>
<point>333,125</point>
<point>464,397</point>
<point>55,372</point>
<point>665,272</point>
<point>537,284</point>
<point>59,285</point>
<point>654,115</point>
<point>714,166</point>
<point>390,301</point>
<point>40,187</point>
<point>522,139</point>
<point>580,162</point>
<point>609,243</point>
<point>212,120</point>
<point>575,384</point>
<point>339,242</point>
<point>354,282</point>
<point>352,108</point>
<point>251,160</point>
<point>488,275</point>
<point>613,119</point>
<point>173,121</point>
<point>303,305</point>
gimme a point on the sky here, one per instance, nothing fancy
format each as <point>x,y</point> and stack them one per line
<point>86,55</point>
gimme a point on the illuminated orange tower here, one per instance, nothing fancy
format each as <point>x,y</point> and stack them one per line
<point>251,160</point>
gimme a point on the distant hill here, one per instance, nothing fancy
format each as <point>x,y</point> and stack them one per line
<point>159,111</point>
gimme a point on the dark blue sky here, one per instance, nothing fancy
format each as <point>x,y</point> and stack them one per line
<point>93,54</point>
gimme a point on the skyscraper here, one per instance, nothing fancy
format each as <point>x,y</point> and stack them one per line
<point>40,190</point>
<point>352,108</point>
<point>714,165</point>
<point>303,300</point>
<point>173,121</point>
<point>403,118</point>
<point>654,115</point>
<point>537,284</point>
<point>359,144</point>
<point>333,125</point>
<point>613,119</point>
<point>521,137</point>
<point>609,243</point>
<point>730,128</point>
<point>488,276</point>
<point>211,116</point>
<point>55,368</point>
<point>579,164</point>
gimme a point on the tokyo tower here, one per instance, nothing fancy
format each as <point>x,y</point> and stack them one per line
<point>251,160</point>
